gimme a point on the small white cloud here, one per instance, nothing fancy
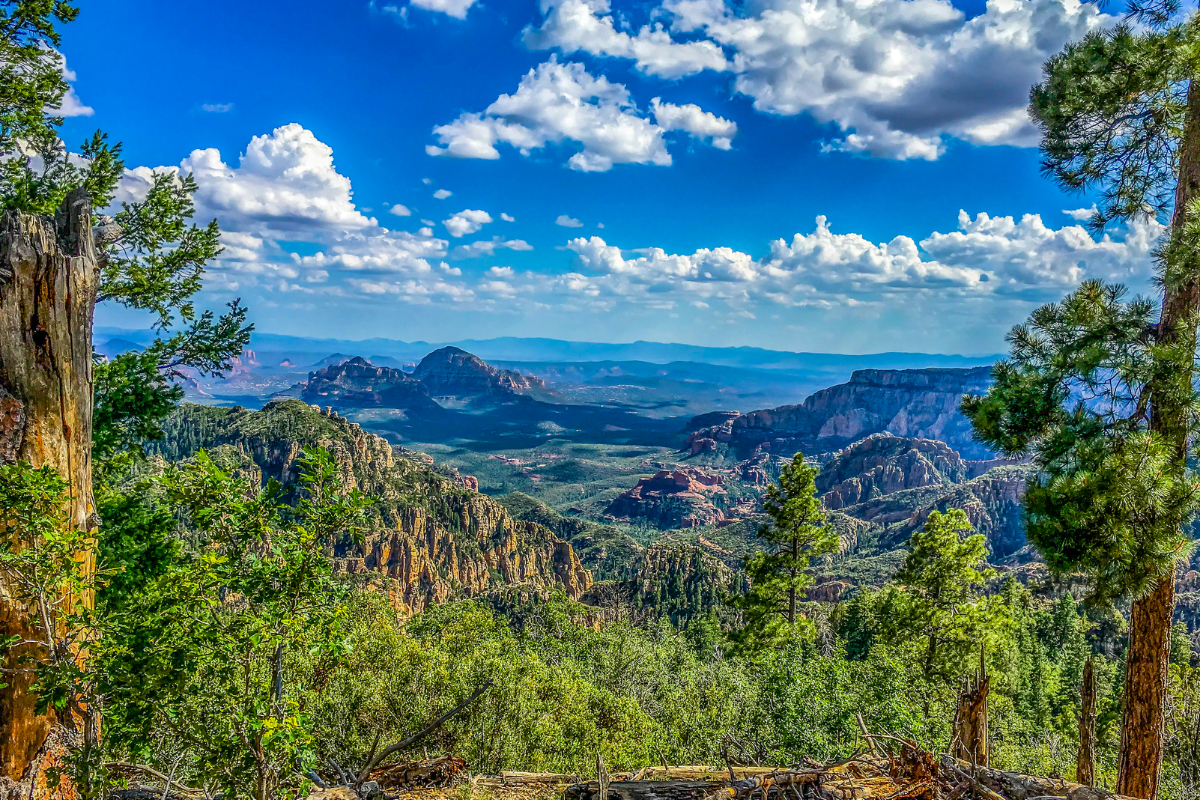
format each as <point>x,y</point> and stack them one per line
<point>217,108</point>
<point>568,222</point>
<point>426,181</point>
<point>466,222</point>
<point>697,122</point>
<point>442,194</point>
<point>507,217</point>
<point>453,8</point>
<point>71,105</point>
<point>400,210</point>
<point>486,248</point>
<point>501,272</point>
<point>599,224</point>
<point>1080,214</point>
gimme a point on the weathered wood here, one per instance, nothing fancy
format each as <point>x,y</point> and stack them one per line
<point>970,740</point>
<point>48,285</point>
<point>419,735</point>
<point>1085,762</point>
<point>1015,786</point>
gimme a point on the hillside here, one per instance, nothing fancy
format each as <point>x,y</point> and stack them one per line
<point>915,403</point>
<point>430,540</point>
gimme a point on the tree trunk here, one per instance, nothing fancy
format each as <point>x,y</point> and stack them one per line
<point>48,283</point>
<point>970,742</point>
<point>1142,722</point>
<point>1085,763</point>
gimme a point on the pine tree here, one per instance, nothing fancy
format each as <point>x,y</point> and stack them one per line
<point>1098,388</point>
<point>939,606</point>
<point>798,533</point>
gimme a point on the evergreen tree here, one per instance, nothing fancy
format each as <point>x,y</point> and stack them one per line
<point>939,604</point>
<point>1098,388</point>
<point>798,533</point>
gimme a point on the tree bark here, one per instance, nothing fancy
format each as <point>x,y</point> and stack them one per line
<point>1143,717</point>
<point>970,741</point>
<point>1085,762</point>
<point>48,283</point>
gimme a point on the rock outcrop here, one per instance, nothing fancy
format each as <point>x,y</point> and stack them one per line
<point>357,383</point>
<point>681,498</point>
<point>913,403</point>
<point>882,464</point>
<point>451,372</point>
<point>430,540</point>
<point>992,502</point>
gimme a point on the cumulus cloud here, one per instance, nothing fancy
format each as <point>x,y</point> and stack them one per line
<point>507,217</point>
<point>999,257</point>
<point>557,103</point>
<point>400,210</point>
<point>586,25</point>
<point>568,222</point>
<point>897,76</point>
<point>285,181</point>
<point>466,222</point>
<point>442,194</point>
<point>453,8</point>
<point>697,122</point>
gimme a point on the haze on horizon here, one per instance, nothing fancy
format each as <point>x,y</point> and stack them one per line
<point>797,175</point>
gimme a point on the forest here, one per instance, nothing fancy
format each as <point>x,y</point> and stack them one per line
<point>191,601</point>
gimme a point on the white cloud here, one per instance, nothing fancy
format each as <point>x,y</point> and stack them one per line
<point>71,105</point>
<point>507,217</point>
<point>896,76</point>
<point>1080,214</point>
<point>400,210</point>
<point>285,181</point>
<point>466,222</point>
<point>488,247</point>
<point>1019,260</point>
<point>557,103</point>
<point>454,8</point>
<point>501,272</point>
<point>568,222</point>
<point>586,25</point>
<point>216,108</point>
<point>697,122</point>
<point>442,194</point>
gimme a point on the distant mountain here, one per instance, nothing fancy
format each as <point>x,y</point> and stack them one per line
<point>512,349</point>
<point>356,383</point>
<point>452,372</point>
<point>915,403</point>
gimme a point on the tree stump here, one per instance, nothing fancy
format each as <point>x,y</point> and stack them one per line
<point>49,275</point>
<point>970,741</point>
<point>1085,763</point>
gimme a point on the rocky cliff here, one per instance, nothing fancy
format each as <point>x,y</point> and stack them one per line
<point>357,383</point>
<point>430,540</point>
<point>913,403</point>
<point>681,498</point>
<point>882,464</point>
<point>451,372</point>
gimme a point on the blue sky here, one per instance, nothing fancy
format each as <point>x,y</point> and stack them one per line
<point>689,146</point>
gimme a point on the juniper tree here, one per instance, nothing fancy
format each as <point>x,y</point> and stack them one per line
<point>797,533</point>
<point>1099,387</point>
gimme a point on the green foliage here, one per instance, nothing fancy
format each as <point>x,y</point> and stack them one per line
<point>1111,110</point>
<point>194,645</point>
<point>37,172</point>
<point>937,605</point>
<point>798,533</point>
<point>1110,496</point>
